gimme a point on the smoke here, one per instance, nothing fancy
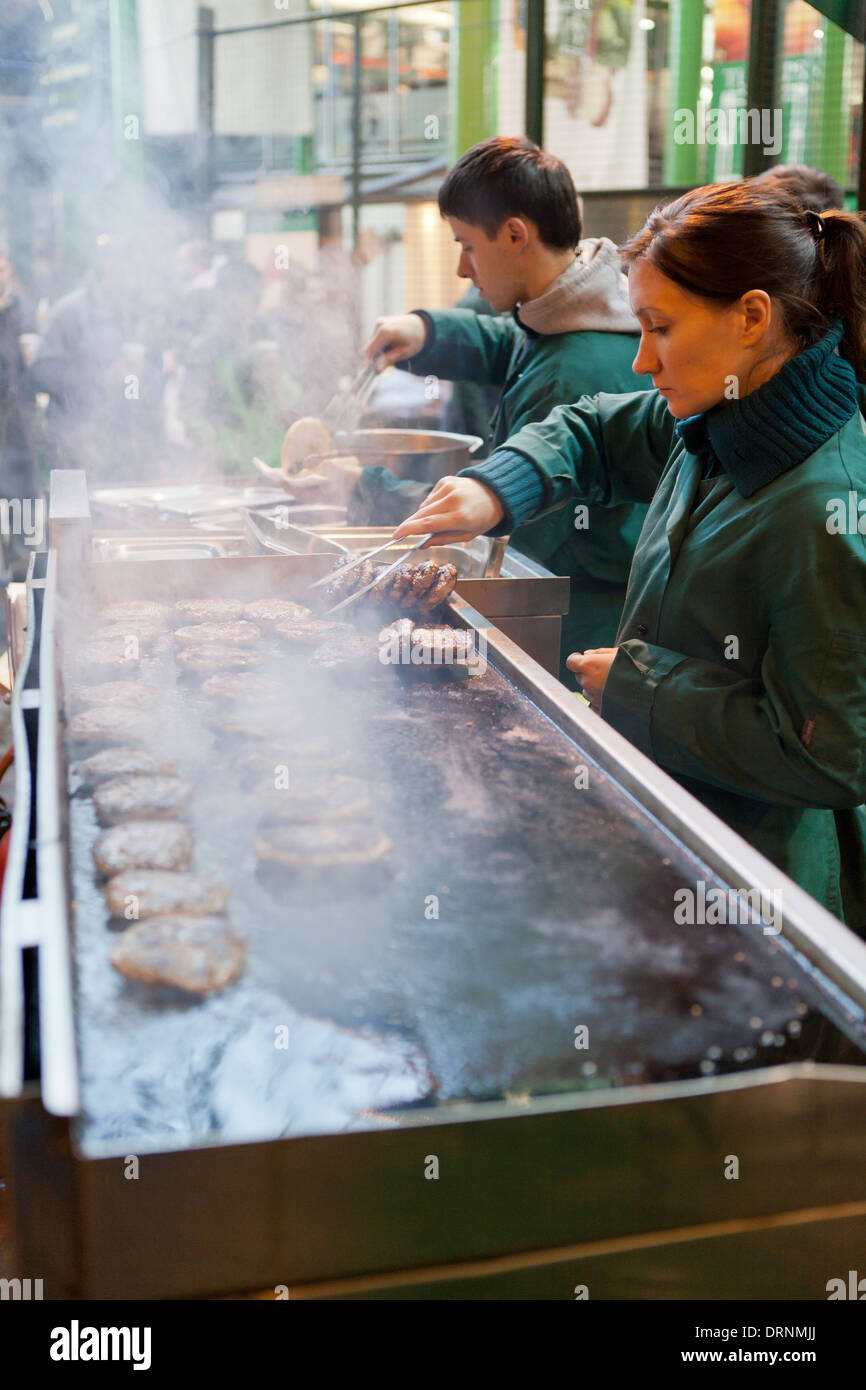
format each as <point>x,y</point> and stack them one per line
<point>162,353</point>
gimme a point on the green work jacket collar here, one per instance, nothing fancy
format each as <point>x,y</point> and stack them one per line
<point>782,423</point>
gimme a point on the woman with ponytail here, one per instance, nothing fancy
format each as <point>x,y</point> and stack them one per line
<point>740,660</point>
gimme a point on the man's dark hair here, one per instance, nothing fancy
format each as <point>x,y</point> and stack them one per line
<point>814,190</point>
<point>505,177</point>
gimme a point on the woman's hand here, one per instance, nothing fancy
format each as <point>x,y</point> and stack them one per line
<point>458,509</point>
<point>591,668</point>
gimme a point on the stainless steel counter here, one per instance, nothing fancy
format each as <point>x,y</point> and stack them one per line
<point>558,915</point>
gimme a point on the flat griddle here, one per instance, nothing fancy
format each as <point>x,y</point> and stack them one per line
<point>449,1035</point>
<point>514,910</point>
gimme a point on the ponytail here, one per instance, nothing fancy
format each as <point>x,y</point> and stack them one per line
<point>839,281</point>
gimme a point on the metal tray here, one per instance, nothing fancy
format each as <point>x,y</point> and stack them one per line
<point>483,557</point>
<point>211,504</point>
<point>186,546</point>
<point>189,499</point>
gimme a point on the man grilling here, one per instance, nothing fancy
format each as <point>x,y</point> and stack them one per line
<point>562,328</point>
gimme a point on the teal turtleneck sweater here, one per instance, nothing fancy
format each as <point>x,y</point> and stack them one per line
<point>761,436</point>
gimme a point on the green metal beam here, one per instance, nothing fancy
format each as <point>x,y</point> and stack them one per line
<point>475,45</point>
<point>831,144</point>
<point>685,39</point>
<point>126,86</point>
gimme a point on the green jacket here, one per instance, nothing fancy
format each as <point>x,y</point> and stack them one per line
<point>741,667</point>
<point>554,368</point>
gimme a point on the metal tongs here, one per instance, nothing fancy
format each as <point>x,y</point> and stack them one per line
<point>353,564</point>
<point>345,409</point>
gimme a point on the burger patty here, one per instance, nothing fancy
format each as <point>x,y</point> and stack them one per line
<point>395,643</point>
<point>213,610</point>
<point>342,584</point>
<point>121,762</point>
<point>109,654</point>
<point>423,579</point>
<point>399,631</point>
<point>365,573</point>
<point>449,643</point>
<point>269,611</point>
<point>138,893</point>
<point>142,798</point>
<point>196,954</point>
<point>143,845</point>
<point>354,653</point>
<point>144,633</point>
<point>442,586</point>
<point>381,587</point>
<point>400,582</point>
<point>111,724</point>
<point>240,633</point>
<point>309,632</point>
<point>144,610</point>
<point>212,657</point>
<point>244,685</point>
<point>322,844</point>
<point>310,797</point>
<point>128,694</point>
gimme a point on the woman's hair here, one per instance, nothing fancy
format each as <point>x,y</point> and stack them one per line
<point>728,238</point>
<point>511,177</point>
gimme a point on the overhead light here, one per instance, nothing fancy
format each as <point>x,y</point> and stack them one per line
<point>817,33</point>
<point>707,74</point>
<point>646,23</point>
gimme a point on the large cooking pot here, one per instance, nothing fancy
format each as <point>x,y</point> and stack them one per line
<point>422,454</point>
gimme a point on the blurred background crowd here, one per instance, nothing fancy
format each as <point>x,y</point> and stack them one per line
<point>184,361</point>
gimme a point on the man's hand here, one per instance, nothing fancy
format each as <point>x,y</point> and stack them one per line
<point>591,668</point>
<point>396,338</point>
<point>458,509</point>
